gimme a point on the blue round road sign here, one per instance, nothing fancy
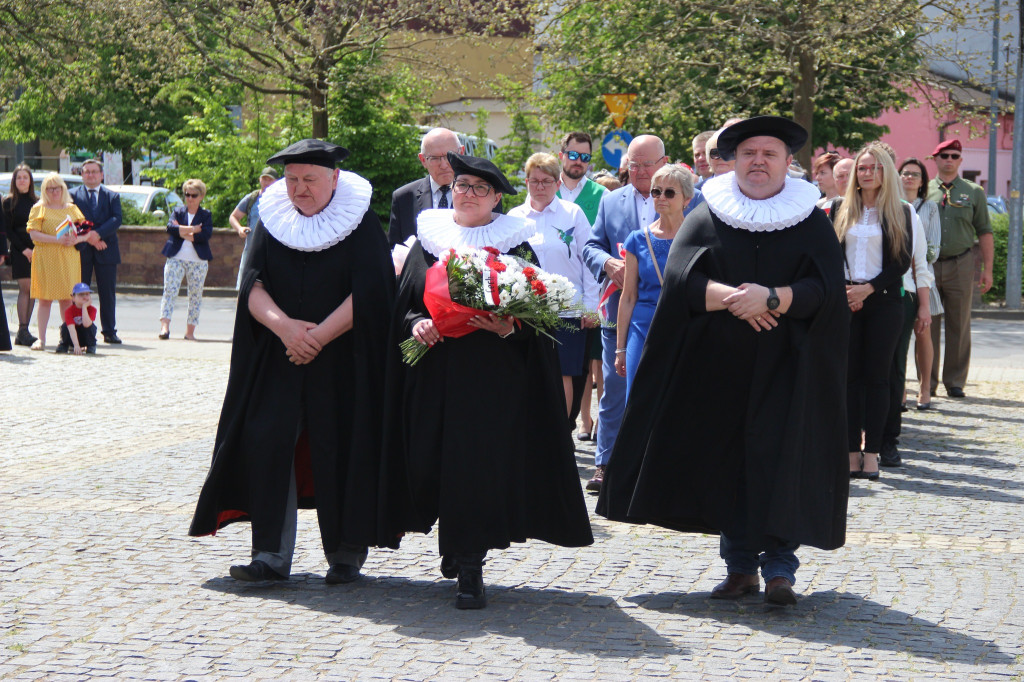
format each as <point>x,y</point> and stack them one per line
<point>613,147</point>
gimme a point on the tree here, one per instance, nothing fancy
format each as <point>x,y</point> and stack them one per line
<point>292,48</point>
<point>828,63</point>
<point>84,76</point>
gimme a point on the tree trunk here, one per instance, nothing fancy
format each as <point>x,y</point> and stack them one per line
<point>318,103</point>
<point>803,104</point>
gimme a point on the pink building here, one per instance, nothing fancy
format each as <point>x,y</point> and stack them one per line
<point>917,130</point>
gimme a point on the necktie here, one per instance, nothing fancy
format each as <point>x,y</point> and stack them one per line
<point>92,199</point>
<point>443,203</point>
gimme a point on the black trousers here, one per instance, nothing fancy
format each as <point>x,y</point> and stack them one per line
<point>106,280</point>
<point>898,373</point>
<point>874,331</point>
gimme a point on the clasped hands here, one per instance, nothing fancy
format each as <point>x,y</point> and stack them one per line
<point>300,341</point>
<point>856,293</point>
<point>749,302</point>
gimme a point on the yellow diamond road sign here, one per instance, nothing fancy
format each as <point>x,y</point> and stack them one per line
<point>619,106</point>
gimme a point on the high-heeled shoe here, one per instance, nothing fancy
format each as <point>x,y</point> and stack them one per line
<point>859,472</point>
<point>870,475</point>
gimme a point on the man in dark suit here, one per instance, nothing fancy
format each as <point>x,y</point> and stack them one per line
<point>102,208</point>
<point>433,191</point>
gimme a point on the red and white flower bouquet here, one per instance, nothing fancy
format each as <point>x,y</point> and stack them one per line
<point>465,283</point>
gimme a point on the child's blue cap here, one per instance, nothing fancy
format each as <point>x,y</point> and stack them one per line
<point>81,288</point>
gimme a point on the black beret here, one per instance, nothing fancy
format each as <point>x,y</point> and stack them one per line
<point>788,131</point>
<point>314,152</point>
<point>482,168</point>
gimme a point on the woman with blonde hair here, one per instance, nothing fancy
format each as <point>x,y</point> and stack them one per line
<point>188,257</point>
<point>56,265</point>
<point>874,226</point>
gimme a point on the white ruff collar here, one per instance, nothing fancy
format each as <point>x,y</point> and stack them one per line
<point>787,208</point>
<point>325,229</point>
<point>437,231</point>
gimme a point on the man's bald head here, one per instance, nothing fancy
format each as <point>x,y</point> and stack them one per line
<point>646,155</point>
<point>433,154</point>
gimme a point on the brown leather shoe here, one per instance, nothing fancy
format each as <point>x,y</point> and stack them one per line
<point>594,484</point>
<point>779,591</point>
<point>736,585</point>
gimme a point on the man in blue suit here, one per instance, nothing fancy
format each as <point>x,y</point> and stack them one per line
<point>100,253</point>
<point>622,211</point>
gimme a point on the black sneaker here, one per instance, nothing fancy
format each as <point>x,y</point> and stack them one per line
<point>469,591</point>
<point>63,348</point>
<point>90,350</point>
<point>112,337</point>
<point>889,456</point>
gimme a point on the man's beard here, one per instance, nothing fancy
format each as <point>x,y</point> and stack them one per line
<point>574,173</point>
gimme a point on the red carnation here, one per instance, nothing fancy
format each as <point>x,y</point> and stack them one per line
<point>498,266</point>
<point>529,273</point>
<point>491,249</point>
<point>538,287</point>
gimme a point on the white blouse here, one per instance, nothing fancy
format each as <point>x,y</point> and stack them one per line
<point>864,248</point>
<point>562,230</point>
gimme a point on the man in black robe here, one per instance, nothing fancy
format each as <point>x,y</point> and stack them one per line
<point>737,418</point>
<point>301,421</point>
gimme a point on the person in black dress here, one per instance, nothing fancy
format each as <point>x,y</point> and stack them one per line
<point>16,208</point>
<point>475,436</point>
<point>301,421</point>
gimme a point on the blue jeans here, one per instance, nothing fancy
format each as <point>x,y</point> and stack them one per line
<point>779,561</point>
<point>613,400</point>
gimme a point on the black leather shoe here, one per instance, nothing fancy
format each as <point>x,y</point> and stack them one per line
<point>90,350</point>
<point>257,571</point>
<point>449,567</point>
<point>955,392</point>
<point>890,456</point>
<point>341,574</point>
<point>111,338</point>
<point>779,592</point>
<point>736,585</point>
<point>24,338</point>
<point>63,348</point>
<point>469,592</point>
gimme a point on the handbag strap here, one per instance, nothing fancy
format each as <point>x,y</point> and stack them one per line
<point>650,248</point>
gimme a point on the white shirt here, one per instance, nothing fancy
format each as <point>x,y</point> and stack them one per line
<point>435,193</point>
<point>645,213</point>
<point>187,250</point>
<point>558,222</point>
<point>864,248</point>
<point>571,194</point>
<point>919,274</point>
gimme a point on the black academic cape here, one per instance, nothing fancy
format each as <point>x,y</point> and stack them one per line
<point>476,436</point>
<point>337,459</point>
<point>729,429</point>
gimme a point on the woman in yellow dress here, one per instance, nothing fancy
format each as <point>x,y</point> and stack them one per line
<point>56,265</point>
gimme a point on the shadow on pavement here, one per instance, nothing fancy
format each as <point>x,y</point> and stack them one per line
<point>545,618</point>
<point>836,619</point>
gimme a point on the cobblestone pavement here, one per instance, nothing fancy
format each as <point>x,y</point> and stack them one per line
<point>99,579</point>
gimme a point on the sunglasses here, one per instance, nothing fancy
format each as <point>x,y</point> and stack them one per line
<point>668,192</point>
<point>577,156</point>
<point>715,154</point>
<point>946,155</point>
<point>910,174</point>
<point>189,195</point>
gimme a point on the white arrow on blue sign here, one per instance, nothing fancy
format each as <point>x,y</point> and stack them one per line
<point>614,146</point>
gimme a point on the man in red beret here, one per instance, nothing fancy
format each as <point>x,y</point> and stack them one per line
<point>963,213</point>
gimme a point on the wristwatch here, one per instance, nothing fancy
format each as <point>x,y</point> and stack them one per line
<point>773,299</point>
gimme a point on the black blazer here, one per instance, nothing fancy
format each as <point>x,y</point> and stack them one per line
<point>201,241</point>
<point>889,281</point>
<point>106,220</point>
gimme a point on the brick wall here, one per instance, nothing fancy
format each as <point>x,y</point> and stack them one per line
<point>142,263</point>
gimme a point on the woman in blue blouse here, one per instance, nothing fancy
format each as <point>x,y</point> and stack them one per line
<point>646,253</point>
<point>188,256</point>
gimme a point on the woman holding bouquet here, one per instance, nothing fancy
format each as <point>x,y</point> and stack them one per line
<point>56,265</point>
<point>475,435</point>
